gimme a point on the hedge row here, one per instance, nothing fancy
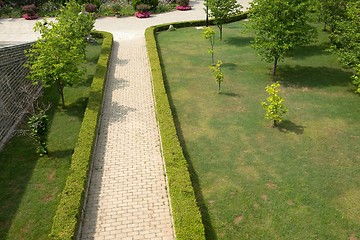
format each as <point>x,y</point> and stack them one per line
<point>186,214</point>
<point>68,215</point>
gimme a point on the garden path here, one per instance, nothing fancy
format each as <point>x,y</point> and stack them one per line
<point>128,197</point>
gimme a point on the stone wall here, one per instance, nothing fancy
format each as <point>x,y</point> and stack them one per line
<point>16,92</point>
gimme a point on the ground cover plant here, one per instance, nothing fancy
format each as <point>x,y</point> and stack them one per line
<point>30,185</point>
<point>296,181</point>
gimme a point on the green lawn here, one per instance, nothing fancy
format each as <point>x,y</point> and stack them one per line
<point>298,181</point>
<point>30,186</point>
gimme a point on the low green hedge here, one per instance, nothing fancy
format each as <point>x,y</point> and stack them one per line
<point>186,214</point>
<point>68,214</point>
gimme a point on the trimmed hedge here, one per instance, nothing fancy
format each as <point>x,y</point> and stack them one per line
<point>68,215</point>
<point>186,214</point>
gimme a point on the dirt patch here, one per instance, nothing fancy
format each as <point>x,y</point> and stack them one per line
<point>52,175</point>
<point>47,198</point>
<point>238,219</point>
<point>211,202</point>
<point>290,202</point>
<point>256,206</point>
<point>353,237</point>
<point>271,185</point>
<point>265,198</point>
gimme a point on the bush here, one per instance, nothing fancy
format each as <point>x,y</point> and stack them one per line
<point>50,9</point>
<point>152,3</point>
<point>29,9</point>
<point>90,8</point>
<point>183,2</point>
<point>68,214</point>
<point>143,8</point>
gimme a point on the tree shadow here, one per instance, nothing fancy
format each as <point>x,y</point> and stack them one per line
<point>67,153</point>
<point>312,77</point>
<point>238,41</point>
<point>311,50</point>
<point>287,126</point>
<point>17,162</point>
<point>77,108</point>
<point>230,94</point>
<point>230,66</point>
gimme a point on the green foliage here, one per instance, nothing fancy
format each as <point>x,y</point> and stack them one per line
<point>38,124</point>
<point>209,33</point>
<point>68,214</point>
<point>274,105</point>
<point>221,10</point>
<point>152,3</point>
<point>330,11</point>
<point>56,57</point>
<point>218,74</point>
<point>187,218</point>
<point>280,26</point>
<point>346,39</point>
<point>183,2</point>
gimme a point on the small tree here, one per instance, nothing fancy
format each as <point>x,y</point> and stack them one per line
<point>218,74</point>
<point>38,125</point>
<point>280,26</point>
<point>274,105</point>
<point>56,57</point>
<point>346,40</point>
<point>209,33</point>
<point>221,10</point>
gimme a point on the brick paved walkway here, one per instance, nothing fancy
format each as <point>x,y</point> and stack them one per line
<point>127,197</point>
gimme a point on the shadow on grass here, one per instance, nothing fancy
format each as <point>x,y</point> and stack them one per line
<point>311,50</point>
<point>290,127</point>
<point>312,77</point>
<point>230,94</point>
<point>230,66</point>
<point>77,108</point>
<point>209,230</point>
<point>17,162</point>
<point>238,41</point>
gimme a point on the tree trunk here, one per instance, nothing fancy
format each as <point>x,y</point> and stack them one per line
<point>60,89</point>
<point>221,32</point>
<point>212,51</point>
<point>219,88</point>
<point>275,65</point>
<point>275,124</point>
<point>207,13</point>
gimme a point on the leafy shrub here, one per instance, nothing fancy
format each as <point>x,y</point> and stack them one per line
<point>164,7</point>
<point>29,9</point>
<point>50,9</point>
<point>182,2</point>
<point>143,8</point>
<point>90,8</point>
<point>116,7</point>
<point>152,3</point>
<point>8,11</point>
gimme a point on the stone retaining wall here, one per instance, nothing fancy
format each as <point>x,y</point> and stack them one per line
<point>16,92</point>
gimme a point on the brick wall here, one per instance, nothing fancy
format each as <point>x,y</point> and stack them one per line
<point>16,91</point>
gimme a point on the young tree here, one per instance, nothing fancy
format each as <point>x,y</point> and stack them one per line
<point>218,74</point>
<point>221,10</point>
<point>209,33</point>
<point>56,57</point>
<point>274,105</point>
<point>330,11</point>
<point>280,26</point>
<point>346,40</point>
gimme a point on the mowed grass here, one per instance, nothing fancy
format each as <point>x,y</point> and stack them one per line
<point>298,181</point>
<point>30,186</point>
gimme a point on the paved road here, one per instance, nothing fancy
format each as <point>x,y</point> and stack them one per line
<point>128,197</point>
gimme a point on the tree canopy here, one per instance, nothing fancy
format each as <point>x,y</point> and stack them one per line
<point>280,26</point>
<point>56,57</point>
<point>346,39</point>
<point>221,10</point>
